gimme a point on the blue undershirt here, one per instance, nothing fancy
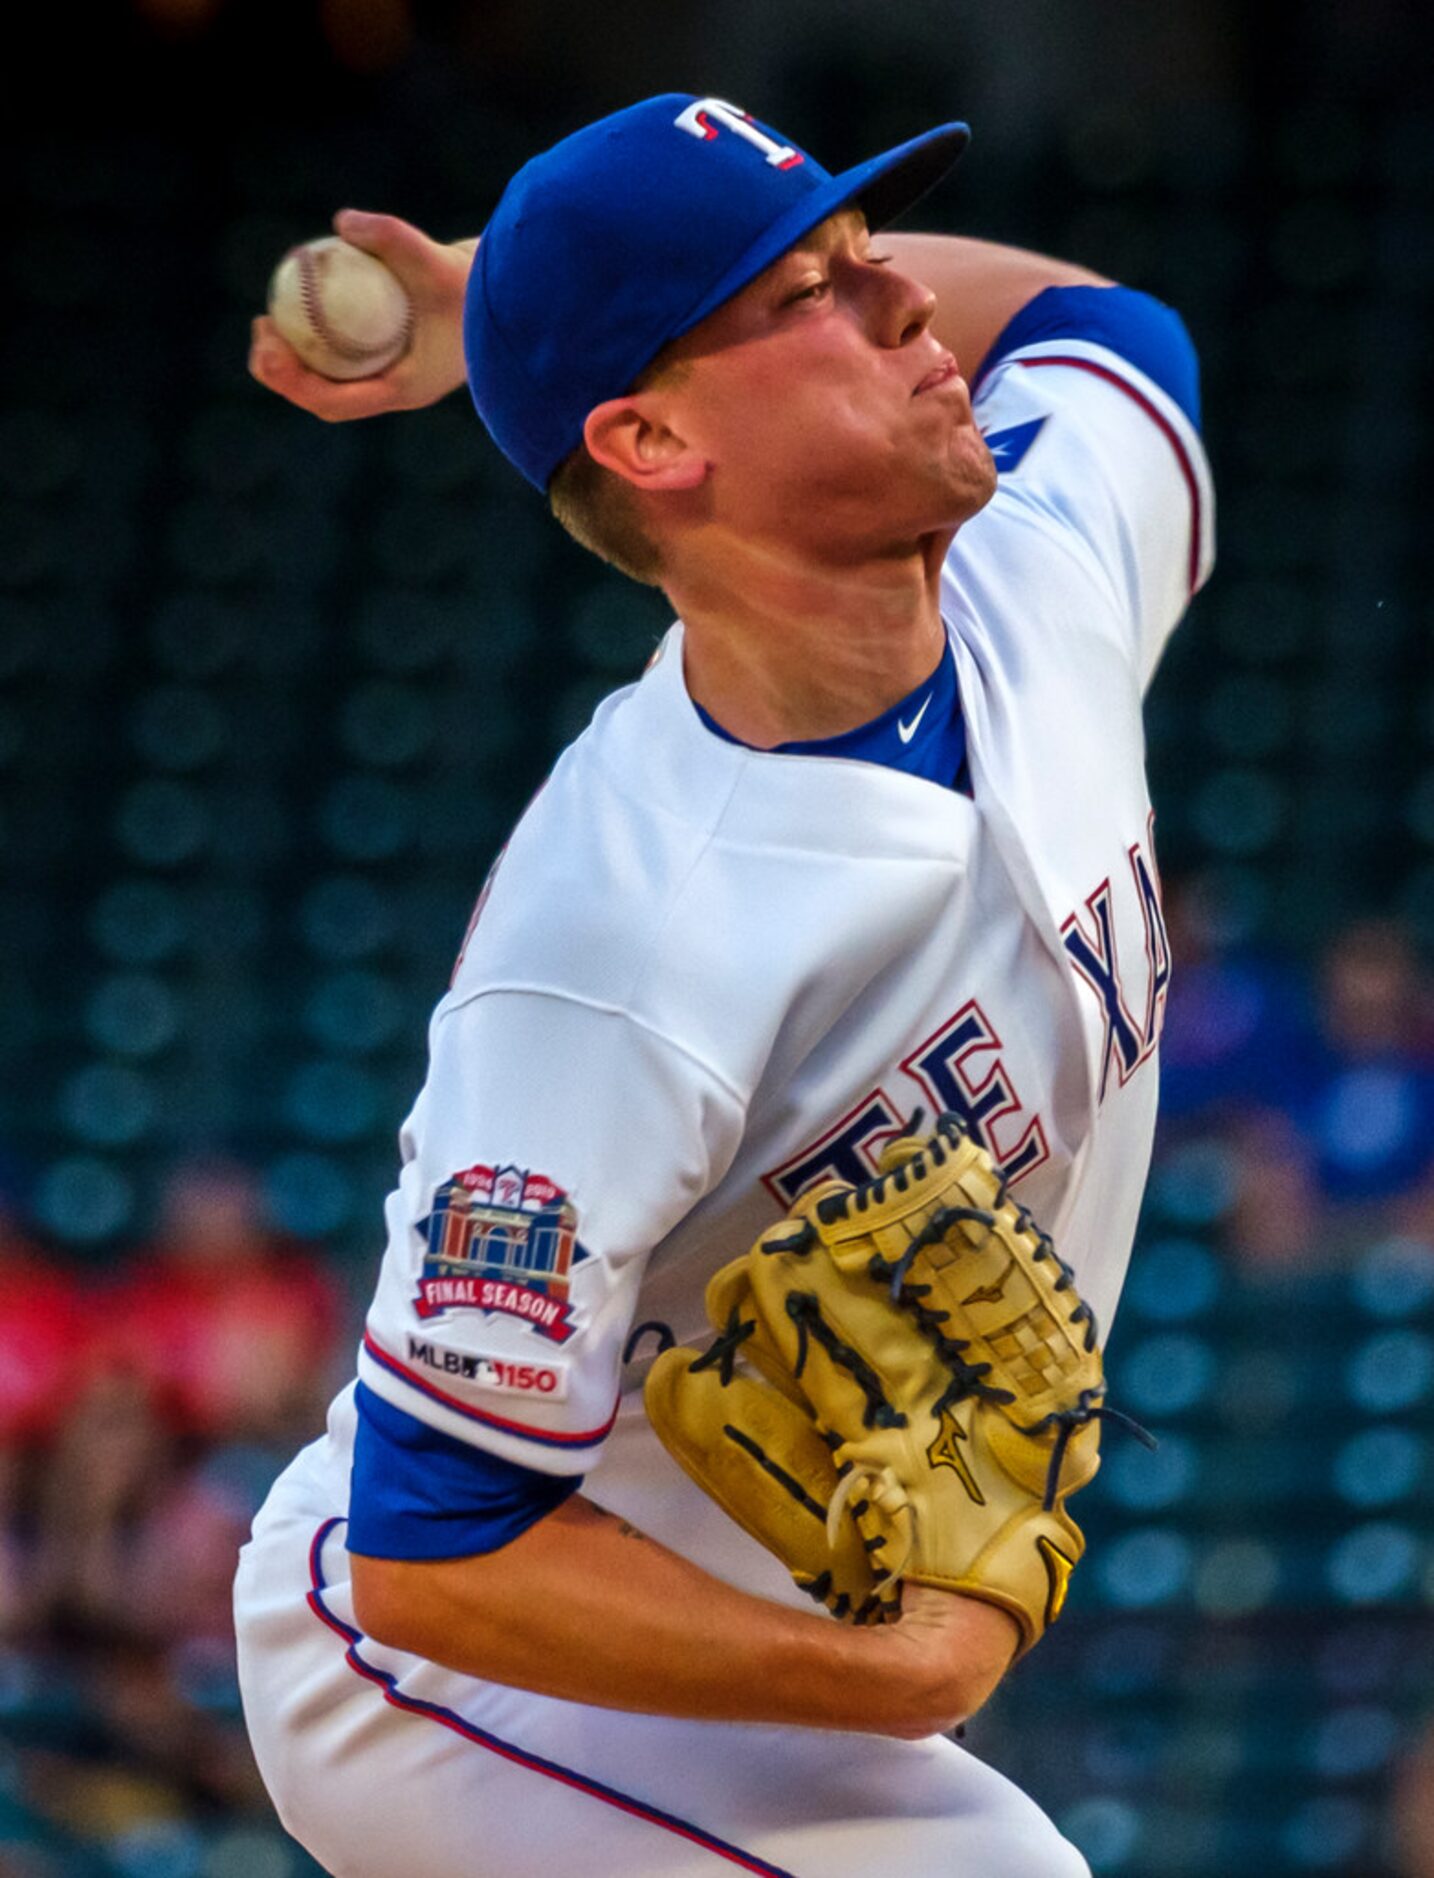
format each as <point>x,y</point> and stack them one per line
<point>417,1493</point>
<point>922,734</point>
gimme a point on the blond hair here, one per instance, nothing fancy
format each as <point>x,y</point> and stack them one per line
<point>600,509</point>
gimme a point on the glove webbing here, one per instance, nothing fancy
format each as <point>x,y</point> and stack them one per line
<point>941,1222</point>
<point>804,1308</point>
<point>966,1378</point>
<point>1082,1314</point>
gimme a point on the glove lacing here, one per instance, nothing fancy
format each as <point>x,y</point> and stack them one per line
<point>724,1346</point>
<point>805,1310</point>
<point>1066,1421</point>
<point>881,1486</point>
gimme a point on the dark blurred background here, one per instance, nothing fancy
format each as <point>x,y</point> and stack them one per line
<point>271,693</point>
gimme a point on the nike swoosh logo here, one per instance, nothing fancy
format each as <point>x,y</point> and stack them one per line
<point>907,731</point>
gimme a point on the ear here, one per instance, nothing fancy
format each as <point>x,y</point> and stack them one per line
<point>630,437</point>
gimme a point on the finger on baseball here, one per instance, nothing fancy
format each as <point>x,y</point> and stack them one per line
<point>276,365</point>
<point>398,244</point>
<point>279,369</point>
<point>269,352</point>
<point>335,401</point>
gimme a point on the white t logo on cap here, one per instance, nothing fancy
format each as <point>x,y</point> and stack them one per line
<point>697,118</point>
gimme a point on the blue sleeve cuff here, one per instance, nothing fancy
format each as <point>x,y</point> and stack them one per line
<point>417,1493</point>
<point>1136,327</point>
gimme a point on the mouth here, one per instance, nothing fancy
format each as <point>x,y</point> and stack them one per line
<point>943,374</point>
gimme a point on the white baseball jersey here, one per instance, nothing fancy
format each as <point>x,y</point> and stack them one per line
<point>702,976</point>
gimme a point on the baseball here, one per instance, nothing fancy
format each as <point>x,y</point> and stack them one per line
<point>341,309</point>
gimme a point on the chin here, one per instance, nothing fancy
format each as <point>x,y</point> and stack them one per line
<point>972,474</point>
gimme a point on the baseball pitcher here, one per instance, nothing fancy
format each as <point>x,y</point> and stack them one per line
<point>735,1356</point>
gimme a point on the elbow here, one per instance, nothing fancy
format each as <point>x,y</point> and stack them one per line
<point>387,1605</point>
<point>431,1608</point>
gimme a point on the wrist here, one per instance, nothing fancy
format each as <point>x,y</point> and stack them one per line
<point>942,1659</point>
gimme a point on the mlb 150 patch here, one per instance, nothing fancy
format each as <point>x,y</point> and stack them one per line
<point>497,1373</point>
<point>501,1239</point>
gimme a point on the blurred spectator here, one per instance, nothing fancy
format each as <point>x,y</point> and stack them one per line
<point>43,1337</point>
<point>1274,1221</point>
<point>1239,1031</point>
<point>1370,1116</point>
<point>140,1421</point>
<point>130,1540</point>
<point>44,1356</point>
<point>134,1559</point>
<point>1377,1000</point>
<point>232,1328</point>
<point>1325,1099</point>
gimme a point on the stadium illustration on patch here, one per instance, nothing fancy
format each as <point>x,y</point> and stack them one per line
<point>501,1239</point>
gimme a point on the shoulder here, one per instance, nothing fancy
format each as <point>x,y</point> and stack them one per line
<point>1089,403</point>
<point>592,899</point>
<point>1092,394</point>
<point>1131,329</point>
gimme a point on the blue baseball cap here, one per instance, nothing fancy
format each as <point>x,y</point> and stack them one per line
<point>626,234</point>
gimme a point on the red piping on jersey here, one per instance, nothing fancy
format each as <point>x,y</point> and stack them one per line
<point>1167,429</point>
<point>480,1737</point>
<point>553,1438</point>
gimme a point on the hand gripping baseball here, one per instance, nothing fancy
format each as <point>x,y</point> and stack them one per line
<point>433,276</point>
<point>927,1376</point>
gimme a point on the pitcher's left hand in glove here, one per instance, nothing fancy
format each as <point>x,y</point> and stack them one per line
<point>905,1385</point>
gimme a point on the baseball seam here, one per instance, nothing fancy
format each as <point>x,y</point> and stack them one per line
<point>314,312</point>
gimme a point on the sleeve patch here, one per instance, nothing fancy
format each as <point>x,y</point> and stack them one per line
<point>504,1240</point>
<point>497,1374</point>
<point>445,1399</point>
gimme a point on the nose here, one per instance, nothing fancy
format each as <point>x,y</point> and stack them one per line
<point>906,307</point>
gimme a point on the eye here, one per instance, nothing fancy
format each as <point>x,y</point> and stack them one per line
<point>817,290</point>
<point>880,260</point>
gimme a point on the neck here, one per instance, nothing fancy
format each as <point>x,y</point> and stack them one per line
<point>781,651</point>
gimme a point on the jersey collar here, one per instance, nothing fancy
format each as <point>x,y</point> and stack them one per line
<point>922,734</point>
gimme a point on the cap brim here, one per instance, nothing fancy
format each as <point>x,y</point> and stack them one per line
<point>882,188</point>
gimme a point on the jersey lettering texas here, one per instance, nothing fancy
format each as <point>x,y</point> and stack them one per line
<point>1091,947</point>
<point>959,1068</point>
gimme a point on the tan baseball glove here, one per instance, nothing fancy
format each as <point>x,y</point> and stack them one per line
<point>905,1384</point>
